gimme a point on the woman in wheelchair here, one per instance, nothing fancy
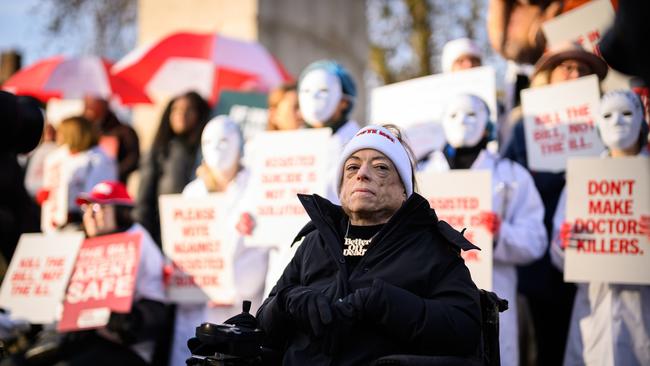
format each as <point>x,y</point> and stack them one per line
<point>376,276</point>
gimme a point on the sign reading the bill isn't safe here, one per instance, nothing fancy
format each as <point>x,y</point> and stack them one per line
<point>102,282</point>
<point>559,122</point>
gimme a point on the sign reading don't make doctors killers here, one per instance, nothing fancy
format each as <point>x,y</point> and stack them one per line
<point>459,198</point>
<point>103,281</point>
<point>608,204</point>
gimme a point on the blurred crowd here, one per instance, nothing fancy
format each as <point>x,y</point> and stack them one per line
<point>70,181</point>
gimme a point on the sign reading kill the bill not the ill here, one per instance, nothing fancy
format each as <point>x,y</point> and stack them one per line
<point>102,282</point>
<point>193,239</point>
<point>607,200</point>
<point>418,105</point>
<point>284,164</point>
<point>586,25</point>
<point>35,282</point>
<point>559,122</point>
<point>459,197</point>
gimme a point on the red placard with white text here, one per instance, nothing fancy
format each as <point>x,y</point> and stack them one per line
<point>459,197</point>
<point>606,201</point>
<point>193,236</point>
<point>35,282</point>
<point>559,122</point>
<point>103,281</point>
<point>285,163</point>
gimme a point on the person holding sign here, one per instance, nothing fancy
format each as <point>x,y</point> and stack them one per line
<point>376,276</point>
<point>610,322</point>
<point>77,165</point>
<point>326,94</point>
<point>549,298</point>
<point>127,339</point>
<point>221,171</point>
<point>517,221</point>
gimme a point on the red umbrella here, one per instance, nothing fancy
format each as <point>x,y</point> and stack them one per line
<point>73,78</point>
<point>206,63</point>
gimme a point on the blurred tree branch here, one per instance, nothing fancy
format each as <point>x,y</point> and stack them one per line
<point>109,20</point>
<point>407,36</point>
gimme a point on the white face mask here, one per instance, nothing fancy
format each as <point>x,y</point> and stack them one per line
<point>465,121</point>
<point>619,120</point>
<point>221,144</point>
<point>319,94</point>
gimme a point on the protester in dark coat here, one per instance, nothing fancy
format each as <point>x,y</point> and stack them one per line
<point>172,161</point>
<point>376,276</point>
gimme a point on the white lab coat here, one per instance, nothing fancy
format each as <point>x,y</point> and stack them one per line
<point>610,323</point>
<point>521,239</point>
<point>250,267</point>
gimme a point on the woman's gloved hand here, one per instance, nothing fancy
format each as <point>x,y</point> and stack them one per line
<point>309,308</point>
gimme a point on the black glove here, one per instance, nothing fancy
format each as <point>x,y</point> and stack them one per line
<point>310,309</point>
<point>354,305</point>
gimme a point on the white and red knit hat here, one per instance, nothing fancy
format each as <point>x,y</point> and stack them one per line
<point>380,139</point>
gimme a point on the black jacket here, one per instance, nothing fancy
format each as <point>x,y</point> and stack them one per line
<point>430,306</point>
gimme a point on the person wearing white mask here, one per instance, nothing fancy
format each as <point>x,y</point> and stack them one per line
<point>460,54</point>
<point>222,172</point>
<point>610,323</point>
<point>326,95</point>
<point>516,220</point>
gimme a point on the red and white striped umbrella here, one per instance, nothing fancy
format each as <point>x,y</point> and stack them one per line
<point>205,63</point>
<point>73,78</point>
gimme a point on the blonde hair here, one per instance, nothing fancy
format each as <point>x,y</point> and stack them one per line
<point>78,133</point>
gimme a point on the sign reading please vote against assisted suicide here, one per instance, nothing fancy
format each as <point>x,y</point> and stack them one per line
<point>103,281</point>
<point>459,197</point>
<point>559,122</point>
<point>606,202</point>
<point>35,282</point>
<point>285,164</point>
<point>193,232</point>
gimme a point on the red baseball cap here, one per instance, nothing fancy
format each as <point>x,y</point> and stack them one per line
<point>106,193</point>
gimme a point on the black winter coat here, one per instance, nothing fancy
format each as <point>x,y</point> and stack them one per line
<point>428,304</point>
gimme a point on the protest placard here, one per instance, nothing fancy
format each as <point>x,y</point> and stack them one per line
<point>586,25</point>
<point>606,201</point>
<point>102,282</point>
<point>459,197</point>
<point>559,122</point>
<point>248,109</point>
<point>285,164</point>
<point>54,210</point>
<point>417,105</point>
<point>193,236</point>
<point>35,282</point>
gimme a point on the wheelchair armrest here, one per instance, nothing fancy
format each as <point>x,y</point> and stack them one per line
<point>411,360</point>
